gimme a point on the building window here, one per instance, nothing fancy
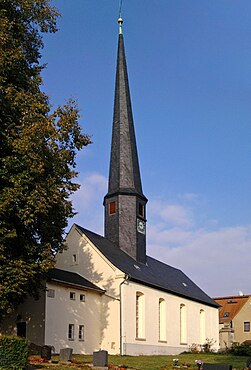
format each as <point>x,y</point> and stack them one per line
<point>81,332</point>
<point>71,332</point>
<point>82,297</point>
<point>226,314</point>
<point>183,324</point>
<point>141,210</point>
<point>202,327</point>
<point>72,296</point>
<point>246,325</point>
<point>162,320</point>
<point>140,315</point>
<point>51,293</point>
<point>112,208</point>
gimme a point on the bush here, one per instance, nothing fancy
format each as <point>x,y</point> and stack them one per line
<point>207,347</point>
<point>13,353</point>
<point>243,349</point>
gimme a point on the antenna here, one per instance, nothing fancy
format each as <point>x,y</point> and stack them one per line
<point>120,8</point>
<point>120,20</point>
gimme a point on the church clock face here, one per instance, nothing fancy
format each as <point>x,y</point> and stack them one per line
<point>141,226</point>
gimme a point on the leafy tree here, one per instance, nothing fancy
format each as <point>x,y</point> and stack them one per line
<point>38,150</point>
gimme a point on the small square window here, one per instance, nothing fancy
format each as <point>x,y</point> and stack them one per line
<point>81,333</point>
<point>112,208</point>
<point>72,296</point>
<point>82,297</point>
<point>51,293</point>
<point>71,332</point>
<point>246,325</point>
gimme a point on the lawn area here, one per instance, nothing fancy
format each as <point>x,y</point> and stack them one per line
<point>149,362</point>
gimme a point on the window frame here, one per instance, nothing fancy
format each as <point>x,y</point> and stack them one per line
<point>246,326</point>
<point>81,333</point>
<point>162,320</point>
<point>71,330</point>
<point>72,296</point>
<point>112,208</point>
<point>51,293</point>
<point>183,324</point>
<point>141,210</point>
<point>140,316</point>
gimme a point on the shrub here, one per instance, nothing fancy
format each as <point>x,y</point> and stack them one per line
<point>243,349</point>
<point>13,353</point>
<point>207,347</point>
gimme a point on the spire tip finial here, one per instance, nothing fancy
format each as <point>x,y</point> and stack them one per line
<point>120,22</point>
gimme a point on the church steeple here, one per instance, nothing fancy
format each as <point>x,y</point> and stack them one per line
<point>125,214</point>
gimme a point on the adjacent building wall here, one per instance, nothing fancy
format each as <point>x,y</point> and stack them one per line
<point>244,315</point>
<point>31,312</point>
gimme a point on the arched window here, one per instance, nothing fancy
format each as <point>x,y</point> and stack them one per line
<point>202,327</point>
<point>162,319</point>
<point>183,324</point>
<point>140,315</point>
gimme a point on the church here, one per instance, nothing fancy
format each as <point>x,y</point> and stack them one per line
<point>105,292</point>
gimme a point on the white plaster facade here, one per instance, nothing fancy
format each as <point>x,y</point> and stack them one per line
<point>118,306</point>
<point>62,311</point>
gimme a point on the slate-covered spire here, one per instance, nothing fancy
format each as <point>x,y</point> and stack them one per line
<point>125,202</point>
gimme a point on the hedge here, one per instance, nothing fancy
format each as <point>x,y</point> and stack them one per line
<point>13,353</point>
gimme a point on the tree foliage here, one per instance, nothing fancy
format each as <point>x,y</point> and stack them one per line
<point>38,150</point>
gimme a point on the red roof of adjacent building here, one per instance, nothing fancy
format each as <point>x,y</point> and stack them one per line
<point>230,306</point>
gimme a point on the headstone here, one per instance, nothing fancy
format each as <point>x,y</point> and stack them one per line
<point>249,362</point>
<point>100,358</point>
<point>34,349</point>
<point>46,352</point>
<point>216,367</point>
<point>65,354</point>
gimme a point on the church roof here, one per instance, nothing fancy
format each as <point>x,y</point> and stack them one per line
<point>154,273</point>
<point>72,279</point>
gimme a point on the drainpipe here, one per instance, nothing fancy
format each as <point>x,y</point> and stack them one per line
<point>126,278</point>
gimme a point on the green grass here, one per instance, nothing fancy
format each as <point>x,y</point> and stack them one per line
<point>166,362</point>
<point>152,362</point>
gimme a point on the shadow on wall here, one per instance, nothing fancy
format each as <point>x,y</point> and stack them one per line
<point>91,274</point>
<point>24,323</point>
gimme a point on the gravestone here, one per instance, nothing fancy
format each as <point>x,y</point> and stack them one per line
<point>46,353</point>
<point>100,358</point>
<point>216,367</point>
<point>65,354</point>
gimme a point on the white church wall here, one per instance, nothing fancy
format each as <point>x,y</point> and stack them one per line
<point>79,308</point>
<point>152,344</point>
<point>92,265</point>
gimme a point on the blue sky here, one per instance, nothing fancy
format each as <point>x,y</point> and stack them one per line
<point>189,65</point>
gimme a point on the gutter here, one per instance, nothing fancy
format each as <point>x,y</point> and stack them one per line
<point>126,279</point>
